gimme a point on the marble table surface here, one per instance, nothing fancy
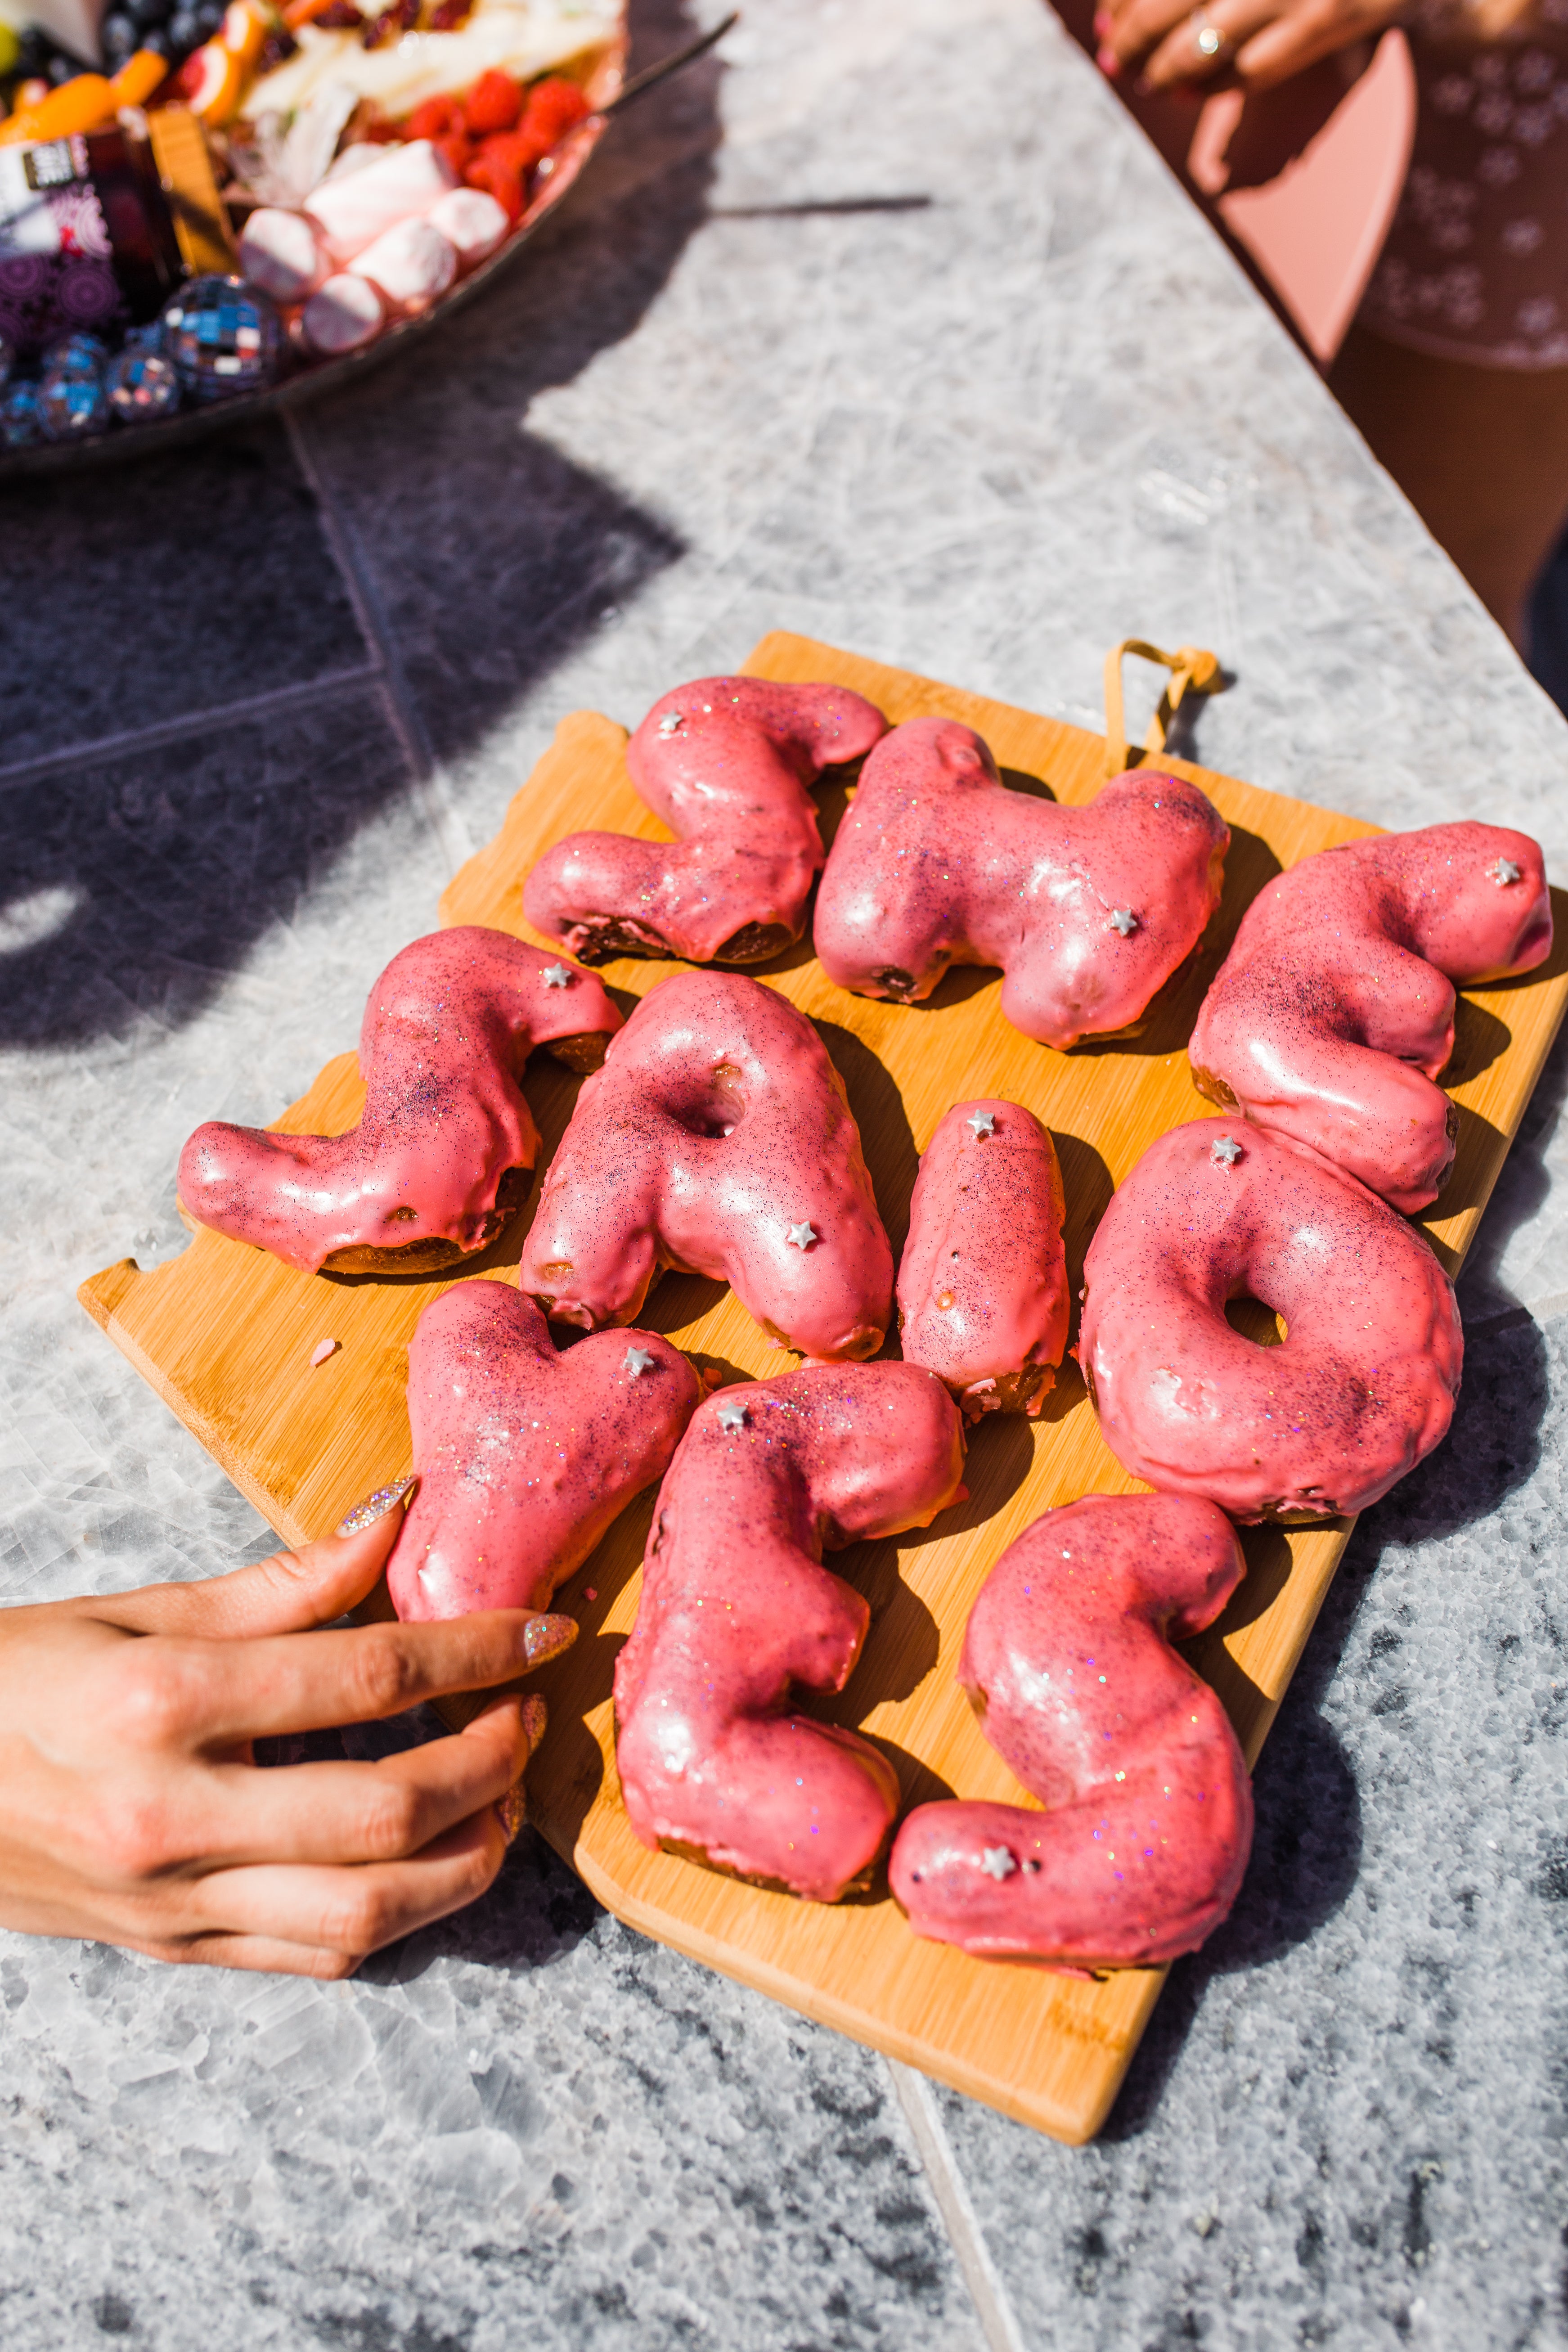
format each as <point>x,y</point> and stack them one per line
<point>889,328</point>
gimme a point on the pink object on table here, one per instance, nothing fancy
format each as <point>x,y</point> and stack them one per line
<point>983,1285</point>
<point>411,265</point>
<point>1067,1662</point>
<point>736,1606</point>
<point>1332,1016</point>
<point>341,315</point>
<point>726,762</point>
<point>1359,1392</point>
<point>1087,910</point>
<point>473,223</point>
<point>404,184</point>
<point>717,1138</point>
<point>525,1456</point>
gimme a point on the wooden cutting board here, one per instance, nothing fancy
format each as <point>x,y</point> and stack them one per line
<point>225,1335</point>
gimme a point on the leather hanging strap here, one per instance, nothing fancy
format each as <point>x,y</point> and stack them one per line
<point>1189,665</point>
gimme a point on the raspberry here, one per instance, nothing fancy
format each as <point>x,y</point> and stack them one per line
<point>494,103</point>
<point>554,106</point>
<point>437,119</point>
<point>498,177</point>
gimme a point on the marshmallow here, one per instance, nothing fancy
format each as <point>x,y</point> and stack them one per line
<point>278,252</point>
<point>472,222</point>
<point>412,265</point>
<point>342,315</point>
<point>401,184</point>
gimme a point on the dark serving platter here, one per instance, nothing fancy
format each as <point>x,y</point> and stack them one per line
<point>609,93</point>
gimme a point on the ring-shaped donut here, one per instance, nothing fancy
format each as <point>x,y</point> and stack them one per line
<point>1362,1385</point>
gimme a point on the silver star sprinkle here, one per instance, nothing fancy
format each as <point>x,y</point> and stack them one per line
<point>733,1416</point>
<point>1224,1152</point>
<point>1123,920</point>
<point>984,1122</point>
<point>637,1360</point>
<point>803,1234</point>
<point>672,723</point>
<point>997,1862</point>
<point>557,975</point>
<point>1504,872</point>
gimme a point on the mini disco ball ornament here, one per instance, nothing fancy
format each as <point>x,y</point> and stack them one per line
<point>19,426</point>
<point>71,401</point>
<point>142,384</point>
<point>223,337</point>
<point>82,353</point>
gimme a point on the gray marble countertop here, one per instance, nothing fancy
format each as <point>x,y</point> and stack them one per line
<point>891,330</point>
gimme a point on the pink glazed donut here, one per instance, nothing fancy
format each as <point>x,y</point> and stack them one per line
<point>438,1165</point>
<point>1067,1662</point>
<point>1087,910</point>
<point>524,1456</point>
<point>1360,1391</point>
<point>736,1606</point>
<point>1333,1012</point>
<point>983,1284</point>
<point>726,761</point>
<point>717,1139</point>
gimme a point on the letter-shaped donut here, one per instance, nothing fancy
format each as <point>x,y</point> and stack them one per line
<point>524,1456</point>
<point>1361,1388</point>
<point>438,1164</point>
<point>726,761</point>
<point>736,1606</point>
<point>1148,1807</point>
<point>1087,910</point>
<point>983,1284</point>
<point>716,1139</point>
<point>1333,1012</point>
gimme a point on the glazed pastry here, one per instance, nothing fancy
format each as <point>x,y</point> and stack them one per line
<point>1333,1014</point>
<point>726,761</point>
<point>717,1139</point>
<point>524,1457</point>
<point>1067,1662</point>
<point>736,1606</point>
<point>983,1285</point>
<point>1360,1391</point>
<point>1087,910</point>
<point>411,265</point>
<point>438,1165</point>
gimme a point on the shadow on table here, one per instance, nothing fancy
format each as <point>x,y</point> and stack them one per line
<point>139,874</point>
<point>1306,1852</point>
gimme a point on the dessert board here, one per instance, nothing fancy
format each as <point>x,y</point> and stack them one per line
<point>226,1335</point>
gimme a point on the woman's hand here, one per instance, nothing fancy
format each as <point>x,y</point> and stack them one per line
<point>1255,42</point>
<point>132,1811</point>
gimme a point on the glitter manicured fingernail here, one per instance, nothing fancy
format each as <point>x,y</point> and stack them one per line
<point>546,1637</point>
<point>535,1721</point>
<point>511,1811</point>
<point>376,1507</point>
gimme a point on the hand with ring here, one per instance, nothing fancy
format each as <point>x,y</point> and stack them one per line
<point>1253,43</point>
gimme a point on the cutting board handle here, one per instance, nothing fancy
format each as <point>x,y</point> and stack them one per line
<point>1189,665</point>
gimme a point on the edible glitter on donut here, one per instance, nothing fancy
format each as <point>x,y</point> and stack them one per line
<point>1087,912</point>
<point>1360,1390</point>
<point>438,1165</point>
<point>1144,1843</point>
<point>1332,1016</point>
<point>717,1139</point>
<point>736,1606</point>
<point>726,762</point>
<point>525,1457</point>
<point>983,1285</point>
